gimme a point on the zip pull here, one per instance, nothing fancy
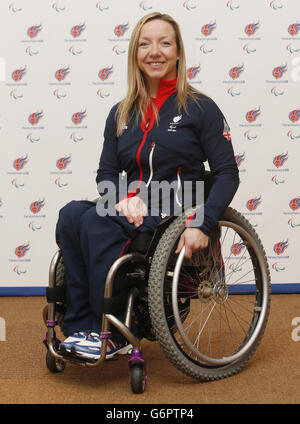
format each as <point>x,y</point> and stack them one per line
<point>147,123</point>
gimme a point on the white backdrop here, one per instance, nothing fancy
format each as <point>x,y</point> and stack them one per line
<point>63,66</point>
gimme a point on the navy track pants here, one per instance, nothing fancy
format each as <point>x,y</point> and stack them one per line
<point>90,244</point>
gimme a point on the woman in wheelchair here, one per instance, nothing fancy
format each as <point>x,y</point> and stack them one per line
<point>163,130</point>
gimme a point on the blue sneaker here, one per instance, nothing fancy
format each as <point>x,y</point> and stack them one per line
<point>90,346</point>
<point>73,340</point>
<point>115,348</point>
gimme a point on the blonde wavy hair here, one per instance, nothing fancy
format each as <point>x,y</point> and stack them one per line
<point>137,99</point>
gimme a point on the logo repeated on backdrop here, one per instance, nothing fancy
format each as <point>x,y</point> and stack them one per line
<point>18,74</point>
<point>252,115</point>
<point>293,224</point>
<point>60,75</point>
<point>20,162</point>
<point>251,29</point>
<point>293,135</point>
<point>279,254</point>
<point>294,115</point>
<point>34,31</point>
<point>119,31</point>
<point>277,91</point>
<point>276,4</point>
<point>62,166</point>
<point>102,6</point>
<point>13,8</point>
<point>250,135</point>
<point>278,180</point>
<point>252,204</point>
<point>279,162</point>
<point>192,74</point>
<point>208,37</point>
<point>279,71</point>
<point>19,255</point>
<point>36,206</point>
<point>233,5</point>
<point>208,29</point>
<point>293,212</point>
<point>35,117</point>
<point>77,119</point>
<point>21,250</point>
<point>189,5</point>
<point>249,32</point>
<point>234,75</point>
<point>105,73</point>
<point>105,78</point>
<point>292,31</point>
<point>238,248</point>
<point>235,72</point>
<point>280,247</point>
<point>62,163</point>
<point>295,203</point>
<point>77,30</point>
<point>77,34</point>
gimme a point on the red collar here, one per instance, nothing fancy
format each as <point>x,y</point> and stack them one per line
<point>165,89</point>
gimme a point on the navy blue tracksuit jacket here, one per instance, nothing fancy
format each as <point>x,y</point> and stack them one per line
<point>172,150</point>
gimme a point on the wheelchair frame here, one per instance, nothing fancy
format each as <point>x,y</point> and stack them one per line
<point>201,367</point>
<point>138,376</point>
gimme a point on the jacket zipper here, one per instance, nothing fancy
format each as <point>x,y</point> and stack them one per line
<point>150,164</point>
<point>178,186</point>
<point>139,154</point>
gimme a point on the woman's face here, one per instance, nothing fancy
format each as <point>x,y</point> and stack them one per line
<point>157,50</point>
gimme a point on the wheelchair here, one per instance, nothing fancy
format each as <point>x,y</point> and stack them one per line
<point>207,313</point>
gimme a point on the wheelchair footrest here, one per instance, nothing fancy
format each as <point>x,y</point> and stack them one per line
<point>74,357</point>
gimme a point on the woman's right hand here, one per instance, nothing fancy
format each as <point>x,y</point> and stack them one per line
<point>134,210</point>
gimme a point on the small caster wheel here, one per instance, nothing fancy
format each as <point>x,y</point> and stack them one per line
<point>54,365</point>
<point>137,378</point>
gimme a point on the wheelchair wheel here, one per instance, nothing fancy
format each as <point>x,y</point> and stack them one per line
<point>54,365</point>
<point>209,312</point>
<point>137,378</point>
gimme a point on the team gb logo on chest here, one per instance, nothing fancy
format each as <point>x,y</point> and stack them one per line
<point>174,123</point>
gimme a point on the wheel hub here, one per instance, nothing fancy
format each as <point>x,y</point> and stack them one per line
<point>220,292</point>
<point>205,291</point>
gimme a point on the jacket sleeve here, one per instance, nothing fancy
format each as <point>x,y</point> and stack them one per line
<point>109,166</point>
<point>216,144</point>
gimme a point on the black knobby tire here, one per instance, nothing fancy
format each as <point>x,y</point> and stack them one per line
<point>174,346</point>
<point>137,378</point>
<point>60,281</point>
<point>54,365</point>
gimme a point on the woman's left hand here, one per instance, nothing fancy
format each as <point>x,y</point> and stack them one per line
<point>193,239</point>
